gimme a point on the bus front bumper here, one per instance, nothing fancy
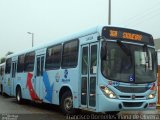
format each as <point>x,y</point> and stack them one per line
<point>105,104</point>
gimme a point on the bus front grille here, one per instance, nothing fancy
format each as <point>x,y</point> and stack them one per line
<point>132,104</point>
<point>132,89</point>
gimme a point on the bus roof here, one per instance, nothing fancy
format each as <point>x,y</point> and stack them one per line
<point>96,29</point>
<point>60,40</point>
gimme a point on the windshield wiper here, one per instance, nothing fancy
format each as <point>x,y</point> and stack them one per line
<point>125,49</point>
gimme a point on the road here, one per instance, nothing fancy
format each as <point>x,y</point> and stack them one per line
<point>11,110</point>
<point>28,110</point>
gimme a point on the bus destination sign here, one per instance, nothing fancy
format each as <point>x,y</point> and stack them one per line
<point>127,35</point>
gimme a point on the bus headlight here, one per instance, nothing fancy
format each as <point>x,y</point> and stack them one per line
<point>152,95</point>
<point>109,93</point>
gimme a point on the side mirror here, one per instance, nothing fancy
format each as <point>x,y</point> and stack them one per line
<point>156,60</point>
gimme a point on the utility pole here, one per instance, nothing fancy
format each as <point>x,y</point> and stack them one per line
<point>109,13</point>
<point>32,38</point>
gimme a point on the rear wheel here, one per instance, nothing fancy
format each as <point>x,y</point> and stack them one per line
<point>67,103</point>
<point>19,95</point>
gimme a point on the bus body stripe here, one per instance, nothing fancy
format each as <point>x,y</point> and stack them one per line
<point>48,86</point>
<point>30,87</point>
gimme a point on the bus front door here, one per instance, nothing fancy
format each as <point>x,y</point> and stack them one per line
<point>89,76</point>
<point>39,76</point>
<point>13,77</point>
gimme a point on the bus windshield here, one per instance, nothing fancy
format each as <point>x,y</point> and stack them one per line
<point>137,67</point>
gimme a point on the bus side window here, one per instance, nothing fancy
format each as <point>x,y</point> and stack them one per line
<point>20,65</point>
<point>53,57</point>
<point>29,62</point>
<point>0,71</point>
<point>70,54</point>
<point>93,66</point>
<point>38,67</point>
<point>8,66</point>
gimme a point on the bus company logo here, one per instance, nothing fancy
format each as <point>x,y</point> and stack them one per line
<point>133,97</point>
<point>66,76</point>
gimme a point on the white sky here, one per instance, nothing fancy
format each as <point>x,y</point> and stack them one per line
<point>50,19</point>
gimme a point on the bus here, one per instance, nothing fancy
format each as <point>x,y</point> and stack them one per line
<point>2,67</point>
<point>102,69</point>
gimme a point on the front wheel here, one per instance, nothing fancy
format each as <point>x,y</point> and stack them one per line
<point>67,103</point>
<point>19,95</point>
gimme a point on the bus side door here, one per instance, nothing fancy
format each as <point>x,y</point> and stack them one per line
<point>38,83</point>
<point>89,75</point>
<point>13,77</point>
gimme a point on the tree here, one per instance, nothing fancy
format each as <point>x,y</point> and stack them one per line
<point>3,60</point>
<point>8,53</point>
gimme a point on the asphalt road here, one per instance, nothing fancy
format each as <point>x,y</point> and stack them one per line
<point>11,110</point>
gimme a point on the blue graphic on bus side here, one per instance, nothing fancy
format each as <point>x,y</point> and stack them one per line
<point>65,76</point>
<point>48,86</point>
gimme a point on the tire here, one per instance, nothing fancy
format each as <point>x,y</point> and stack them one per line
<point>67,103</point>
<point>19,96</point>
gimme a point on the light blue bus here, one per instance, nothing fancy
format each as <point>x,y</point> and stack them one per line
<point>102,69</point>
<point>2,67</point>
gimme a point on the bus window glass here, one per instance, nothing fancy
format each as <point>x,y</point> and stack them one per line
<point>20,66</point>
<point>29,62</point>
<point>53,57</point>
<point>85,61</point>
<point>70,54</point>
<point>139,66</point>
<point>8,66</point>
<point>0,71</point>
<point>93,66</point>
<point>38,67</point>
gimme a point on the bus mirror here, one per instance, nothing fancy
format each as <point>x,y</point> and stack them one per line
<point>156,61</point>
<point>103,53</point>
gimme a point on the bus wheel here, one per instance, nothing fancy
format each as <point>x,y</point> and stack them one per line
<point>19,95</point>
<point>67,103</point>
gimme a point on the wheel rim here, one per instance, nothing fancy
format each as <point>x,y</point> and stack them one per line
<point>68,103</point>
<point>18,96</point>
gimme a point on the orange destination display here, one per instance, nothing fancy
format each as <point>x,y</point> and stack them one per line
<point>127,35</point>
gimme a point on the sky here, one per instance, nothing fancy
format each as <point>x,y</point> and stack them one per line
<point>52,19</point>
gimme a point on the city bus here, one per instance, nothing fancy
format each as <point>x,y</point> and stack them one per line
<point>102,69</point>
<point>2,67</point>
